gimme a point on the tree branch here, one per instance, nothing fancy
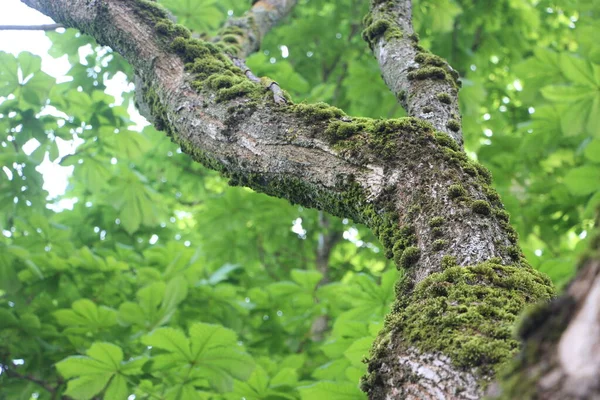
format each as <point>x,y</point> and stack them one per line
<point>258,21</point>
<point>425,84</point>
<point>13,374</point>
<point>432,208</point>
<point>47,27</point>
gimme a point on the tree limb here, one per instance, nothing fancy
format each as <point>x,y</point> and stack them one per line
<point>431,207</point>
<point>425,84</point>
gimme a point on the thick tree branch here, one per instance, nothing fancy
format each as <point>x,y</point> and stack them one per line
<point>425,84</point>
<point>432,208</point>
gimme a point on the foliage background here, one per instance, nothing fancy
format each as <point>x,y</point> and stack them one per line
<point>163,282</point>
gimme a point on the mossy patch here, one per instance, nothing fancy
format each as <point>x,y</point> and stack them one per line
<point>376,28</point>
<point>409,257</point>
<point>468,312</point>
<point>456,191</point>
<point>432,66</point>
<point>444,98</point>
<point>481,207</point>
<point>453,125</point>
<point>436,221</point>
<point>439,244</point>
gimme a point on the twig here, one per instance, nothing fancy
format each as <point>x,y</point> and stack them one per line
<point>273,86</point>
<point>46,27</point>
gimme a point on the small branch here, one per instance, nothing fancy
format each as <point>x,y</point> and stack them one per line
<point>258,21</point>
<point>273,86</point>
<point>424,84</point>
<point>9,372</point>
<point>47,27</point>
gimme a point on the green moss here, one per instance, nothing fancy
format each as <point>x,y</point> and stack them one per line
<point>453,125</point>
<point>483,172</point>
<point>481,207</point>
<point>427,109</point>
<point>513,252</point>
<point>502,215</point>
<point>374,29</point>
<point>444,98</point>
<point>228,38</point>
<point>456,191</point>
<point>437,232</point>
<point>341,130</point>
<point>318,111</point>
<point>428,73</point>
<point>162,27</point>
<point>448,262</point>
<point>439,244</point>
<point>430,59</point>
<point>409,257</point>
<point>443,139</point>
<point>436,221</point>
<point>467,313</point>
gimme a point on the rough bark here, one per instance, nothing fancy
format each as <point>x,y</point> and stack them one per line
<point>426,85</point>
<point>464,280</point>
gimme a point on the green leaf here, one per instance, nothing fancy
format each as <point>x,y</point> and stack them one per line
<point>592,151</point>
<point>583,180</point>
<point>29,63</point>
<point>306,279</point>
<point>577,70</point>
<point>171,340</point>
<point>9,78</point>
<point>93,372</point>
<point>117,389</point>
<point>85,313</point>
<point>211,349</point>
<point>332,391</point>
<point>86,387</point>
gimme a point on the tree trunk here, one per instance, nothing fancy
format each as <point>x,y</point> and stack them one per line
<point>464,279</point>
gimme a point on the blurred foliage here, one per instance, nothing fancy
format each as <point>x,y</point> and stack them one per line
<point>150,276</point>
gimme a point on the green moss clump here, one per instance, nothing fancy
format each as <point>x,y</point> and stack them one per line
<point>409,257</point>
<point>437,232</point>
<point>230,39</point>
<point>430,59</point>
<point>342,130</point>
<point>428,73</point>
<point>436,221</point>
<point>513,252</point>
<point>448,262</point>
<point>483,172</point>
<point>502,215</point>
<point>481,207</point>
<point>427,109</point>
<point>444,98</point>
<point>363,136</point>
<point>318,111</point>
<point>443,139</point>
<point>439,244</point>
<point>456,191</point>
<point>162,27</point>
<point>381,27</point>
<point>453,125</point>
<point>467,313</point>
<point>245,87</point>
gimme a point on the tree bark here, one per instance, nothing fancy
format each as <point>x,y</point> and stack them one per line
<point>463,277</point>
